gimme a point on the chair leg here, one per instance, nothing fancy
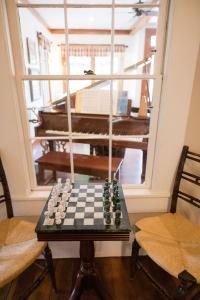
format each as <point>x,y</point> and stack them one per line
<point>134,257</point>
<point>187,283</point>
<point>49,260</point>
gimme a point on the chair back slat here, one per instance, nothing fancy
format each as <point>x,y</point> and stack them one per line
<point>191,177</point>
<point>193,158</point>
<point>4,192</point>
<point>193,153</point>
<point>188,176</point>
<point>190,199</point>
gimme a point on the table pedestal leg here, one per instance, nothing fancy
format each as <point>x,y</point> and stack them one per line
<point>87,275</point>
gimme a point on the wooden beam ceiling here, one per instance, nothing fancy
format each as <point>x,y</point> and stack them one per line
<point>89,31</point>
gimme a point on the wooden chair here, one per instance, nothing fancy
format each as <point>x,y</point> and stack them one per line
<point>19,247</point>
<point>171,241</point>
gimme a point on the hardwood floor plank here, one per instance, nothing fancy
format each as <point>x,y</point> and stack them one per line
<point>114,274</point>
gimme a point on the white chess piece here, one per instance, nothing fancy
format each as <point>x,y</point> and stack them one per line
<point>58,221</point>
<point>63,203</point>
<point>68,181</point>
<point>51,211</point>
<point>47,218</point>
<point>60,208</point>
<point>59,180</point>
<point>58,217</point>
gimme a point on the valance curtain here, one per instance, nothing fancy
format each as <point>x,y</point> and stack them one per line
<point>91,50</point>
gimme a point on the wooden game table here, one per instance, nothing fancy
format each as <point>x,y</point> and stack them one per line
<point>87,275</point>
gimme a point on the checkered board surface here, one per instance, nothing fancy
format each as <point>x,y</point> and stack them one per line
<point>85,208</point>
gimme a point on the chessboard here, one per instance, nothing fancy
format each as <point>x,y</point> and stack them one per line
<point>84,207</point>
<point>94,210</point>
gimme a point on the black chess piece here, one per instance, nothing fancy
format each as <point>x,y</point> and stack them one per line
<point>106,194</point>
<point>107,207</point>
<point>117,217</point>
<point>115,189</point>
<point>118,206</point>
<point>106,181</point>
<point>108,218</point>
<point>106,201</point>
<point>114,182</point>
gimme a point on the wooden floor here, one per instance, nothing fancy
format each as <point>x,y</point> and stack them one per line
<point>114,272</point>
<point>115,276</point>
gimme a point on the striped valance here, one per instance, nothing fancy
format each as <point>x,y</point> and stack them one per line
<point>92,50</point>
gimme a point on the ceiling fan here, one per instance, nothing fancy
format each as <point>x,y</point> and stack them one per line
<point>137,12</point>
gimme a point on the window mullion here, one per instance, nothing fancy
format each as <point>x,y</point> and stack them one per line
<point>68,93</point>
<point>161,36</point>
<point>111,90</point>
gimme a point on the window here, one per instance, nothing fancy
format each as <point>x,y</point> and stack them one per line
<point>90,77</point>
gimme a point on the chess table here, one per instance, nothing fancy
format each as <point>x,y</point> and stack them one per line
<point>84,221</point>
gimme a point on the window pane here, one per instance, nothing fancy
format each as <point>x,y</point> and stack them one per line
<point>45,105</point>
<point>51,160</point>
<point>89,38</point>
<point>90,163</point>
<point>89,1</point>
<point>134,1</point>
<point>138,43</point>
<point>42,1</point>
<point>131,127</point>
<point>42,35</point>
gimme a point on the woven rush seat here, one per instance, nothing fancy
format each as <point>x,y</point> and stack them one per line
<point>172,226</point>
<point>19,248</point>
<point>168,246</point>
<point>171,240</point>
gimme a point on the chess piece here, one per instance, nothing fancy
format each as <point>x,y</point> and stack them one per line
<point>51,211</point>
<point>106,181</point>
<point>108,218</point>
<point>47,218</point>
<point>117,217</point>
<point>107,196</point>
<point>107,207</point>
<point>115,188</point>
<point>59,180</point>
<point>63,203</point>
<point>106,202</point>
<point>60,209</point>
<point>58,218</point>
<point>114,182</point>
<point>118,206</point>
<point>114,200</point>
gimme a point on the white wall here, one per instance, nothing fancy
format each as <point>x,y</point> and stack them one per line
<point>192,135</point>
<point>183,43</point>
<point>192,139</point>
<point>29,28</point>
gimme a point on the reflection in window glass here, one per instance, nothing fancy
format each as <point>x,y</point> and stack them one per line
<point>79,64</point>
<point>89,51</point>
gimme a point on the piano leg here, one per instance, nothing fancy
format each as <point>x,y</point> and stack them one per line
<point>92,150</point>
<point>40,174</point>
<point>52,145</point>
<point>144,161</point>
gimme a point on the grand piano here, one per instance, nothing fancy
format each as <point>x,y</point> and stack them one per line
<point>53,121</point>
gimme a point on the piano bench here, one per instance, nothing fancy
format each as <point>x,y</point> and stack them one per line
<point>83,164</point>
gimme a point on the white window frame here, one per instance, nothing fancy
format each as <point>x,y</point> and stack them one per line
<point>20,76</point>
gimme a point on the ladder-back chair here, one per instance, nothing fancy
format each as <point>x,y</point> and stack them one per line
<point>171,240</point>
<point>19,247</point>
